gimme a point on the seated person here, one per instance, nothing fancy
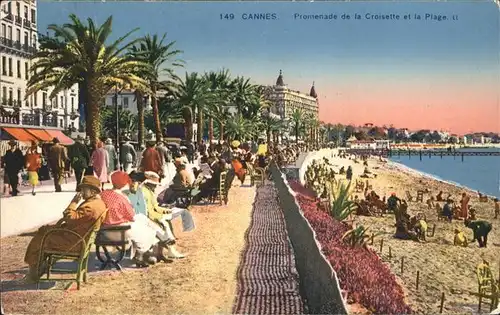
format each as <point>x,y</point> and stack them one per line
<point>78,217</point>
<point>447,210</point>
<point>164,215</point>
<point>421,227</point>
<point>481,229</point>
<point>439,196</point>
<point>205,168</point>
<point>181,180</point>
<point>472,214</point>
<point>121,212</point>
<point>239,170</point>
<point>460,239</point>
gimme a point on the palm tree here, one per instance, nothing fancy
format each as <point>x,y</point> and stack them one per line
<point>156,53</point>
<point>239,128</point>
<point>193,93</point>
<point>220,87</point>
<point>79,54</point>
<point>244,95</point>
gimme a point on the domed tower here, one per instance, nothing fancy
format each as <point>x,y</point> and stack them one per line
<point>313,92</point>
<point>279,81</point>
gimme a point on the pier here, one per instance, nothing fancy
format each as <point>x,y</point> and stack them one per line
<point>422,153</point>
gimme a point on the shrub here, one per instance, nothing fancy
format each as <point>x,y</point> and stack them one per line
<point>361,272</point>
<point>341,207</point>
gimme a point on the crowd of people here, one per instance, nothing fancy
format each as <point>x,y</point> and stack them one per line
<point>136,197</point>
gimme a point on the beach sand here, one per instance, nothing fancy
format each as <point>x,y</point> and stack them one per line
<point>443,268</point>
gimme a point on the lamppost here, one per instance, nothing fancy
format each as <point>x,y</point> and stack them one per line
<point>117,145</point>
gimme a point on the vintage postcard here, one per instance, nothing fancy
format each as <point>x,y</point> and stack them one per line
<point>249,157</point>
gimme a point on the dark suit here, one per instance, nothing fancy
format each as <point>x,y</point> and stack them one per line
<point>57,161</point>
<point>14,162</point>
<point>79,157</point>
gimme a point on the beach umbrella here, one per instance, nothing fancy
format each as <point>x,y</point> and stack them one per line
<point>235,144</point>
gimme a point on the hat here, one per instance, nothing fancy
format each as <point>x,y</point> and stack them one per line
<point>55,140</point>
<point>79,137</point>
<point>13,142</point>
<point>137,176</point>
<point>120,179</point>
<point>393,194</point>
<point>109,141</point>
<point>152,178</point>
<point>90,181</point>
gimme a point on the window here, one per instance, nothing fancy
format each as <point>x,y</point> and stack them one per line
<point>26,12</point>
<point>26,71</point>
<point>18,35</point>
<point>19,95</point>
<point>72,104</point>
<point>54,102</point>
<point>61,123</point>
<point>125,102</point>
<point>10,97</point>
<point>26,39</point>
<point>18,9</point>
<point>35,99</point>
<point>34,41</point>
<point>4,30</point>
<point>33,15</point>
<point>19,69</point>
<point>44,99</point>
<point>4,93</point>
<point>62,101</point>
<point>9,7</point>
<point>9,32</point>
<point>4,65</point>
<point>11,73</point>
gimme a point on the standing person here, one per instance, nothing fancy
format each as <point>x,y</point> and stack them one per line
<point>112,156</point>
<point>202,148</point>
<point>33,163</point>
<point>190,151</point>
<point>348,174</point>
<point>464,206</point>
<point>79,158</point>
<point>57,159</point>
<point>481,229</point>
<point>13,161</point>
<point>128,156</point>
<point>151,161</point>
<point>497,208</point>
<point>163,152</point>
<point>100,161</point>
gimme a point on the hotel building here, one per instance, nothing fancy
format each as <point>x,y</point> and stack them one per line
<point>286,100</point>
<point>36,117</point>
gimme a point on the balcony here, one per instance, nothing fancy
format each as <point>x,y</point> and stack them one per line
<point>6,42</point>
<point>31,119</point>
<point>50,120</point>
<point>4,101</point>
<point>9,16</point>
<point>26,23</point>
<point>17,45</point>
<point>47,108</point>
<point>16,103</point>
<point>18,20</point>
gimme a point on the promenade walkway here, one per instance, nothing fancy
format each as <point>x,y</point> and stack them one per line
<point>267,278</point>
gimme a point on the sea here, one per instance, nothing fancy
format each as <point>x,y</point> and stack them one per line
<point>479,173</point>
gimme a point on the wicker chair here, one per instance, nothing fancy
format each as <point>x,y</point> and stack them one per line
<point>48,258</point>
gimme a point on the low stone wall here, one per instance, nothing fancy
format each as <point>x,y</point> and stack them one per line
<point>319,285</point>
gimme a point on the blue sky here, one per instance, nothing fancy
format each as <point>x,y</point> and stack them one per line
<point>336,54</point>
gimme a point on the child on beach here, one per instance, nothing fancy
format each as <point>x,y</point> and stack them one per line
<point>460,239</point>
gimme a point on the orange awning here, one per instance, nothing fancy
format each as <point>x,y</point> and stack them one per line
<point>40,134</point>
<point>20,134</point>
<point>61,136</point>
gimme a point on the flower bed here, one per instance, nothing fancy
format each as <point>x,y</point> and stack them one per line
<point>360,271</point>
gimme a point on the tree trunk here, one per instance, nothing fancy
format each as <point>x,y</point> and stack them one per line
<point>221,131</point>
<point>187,114</point>
<point>199,122</point>
<point>156,114</point>
<point>139,97</point>
<point>210,130</point>
<point>268,135</point>
<point>296,133</point>
<point>93,119</point>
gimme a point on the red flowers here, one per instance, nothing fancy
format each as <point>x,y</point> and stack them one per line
<point>361,272</point>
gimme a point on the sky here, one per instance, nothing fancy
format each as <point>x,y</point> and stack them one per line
<point>418,74</point>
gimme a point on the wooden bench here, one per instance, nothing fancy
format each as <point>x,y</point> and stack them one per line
<point>105,239</point>
<point>420,196</point>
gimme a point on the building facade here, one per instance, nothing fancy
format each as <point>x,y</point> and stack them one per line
<point>126,100</point>
<point>286,101</point>
<point>18,42</point>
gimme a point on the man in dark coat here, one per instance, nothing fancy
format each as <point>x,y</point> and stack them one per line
<point>79,157</point>
<point>14,163</point>
<point>481,229</point>
<point>57,160</point>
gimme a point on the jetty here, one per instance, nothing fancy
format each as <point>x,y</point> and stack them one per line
<point>421,153</point>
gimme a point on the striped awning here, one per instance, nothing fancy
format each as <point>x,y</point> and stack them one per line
<point>19,134</point>
<point>61,136</point>
<point>41,134</point>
